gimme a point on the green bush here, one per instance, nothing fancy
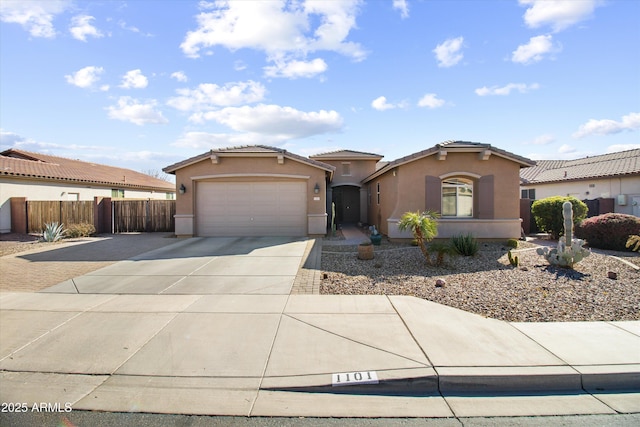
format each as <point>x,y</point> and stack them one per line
<point>512,243</point>
<point>609,231</point>
<point>465,244</point>
<point>548,214</point>
<point>80,230</point>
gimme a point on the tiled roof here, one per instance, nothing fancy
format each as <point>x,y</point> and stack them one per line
<point>248,150</point>
<point>25,164</point>
<point>346,155</point>
<point>606,165</point>
<point>452,146</point>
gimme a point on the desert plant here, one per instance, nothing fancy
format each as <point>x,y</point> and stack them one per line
<point>333,219</point>
<point>512,243</point>
<point>80,230</point>
<point>53,232</point>
<point>513,260</point>
<point>441,249</point>
<point>548,213</point>
<point>424,226</point>
<point>465,244</point>
<point>633,243</point>
<point>569,250</point>
<point>609,231</point>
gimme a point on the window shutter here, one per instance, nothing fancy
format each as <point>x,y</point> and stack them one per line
<point>485,197</point>
<point>433,194</point>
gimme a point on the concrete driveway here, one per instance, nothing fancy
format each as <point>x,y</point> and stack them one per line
<point>200,266</point>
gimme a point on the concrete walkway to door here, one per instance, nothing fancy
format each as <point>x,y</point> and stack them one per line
<point>208,326</point>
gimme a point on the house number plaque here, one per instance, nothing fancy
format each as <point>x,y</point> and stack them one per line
<point>353,378</point>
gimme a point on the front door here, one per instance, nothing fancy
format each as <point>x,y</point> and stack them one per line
<point>347,200</point>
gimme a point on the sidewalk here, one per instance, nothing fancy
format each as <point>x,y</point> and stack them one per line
<point>192,344</point>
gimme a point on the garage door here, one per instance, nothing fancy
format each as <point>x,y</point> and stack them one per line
<point>251,208</point>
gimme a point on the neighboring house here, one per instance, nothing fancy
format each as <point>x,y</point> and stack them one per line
<point>260,190</point>
<point>474,186</point>
<point>615,175</point>
<point>251,191</point>
<point>36,176</point>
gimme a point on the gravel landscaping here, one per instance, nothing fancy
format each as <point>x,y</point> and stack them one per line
<point>487,285</point>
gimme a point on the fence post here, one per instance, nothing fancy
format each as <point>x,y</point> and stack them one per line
<point>19,215</point>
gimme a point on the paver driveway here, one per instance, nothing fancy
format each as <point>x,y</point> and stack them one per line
<point>200,266</point>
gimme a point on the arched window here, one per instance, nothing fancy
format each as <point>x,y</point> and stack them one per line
<point>457,197</point>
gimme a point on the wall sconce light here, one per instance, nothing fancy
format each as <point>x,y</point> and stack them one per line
<point>182,189</point>
<point>316,189</point>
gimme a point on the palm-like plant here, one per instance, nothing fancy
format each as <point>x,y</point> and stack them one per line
<point>423,225</point>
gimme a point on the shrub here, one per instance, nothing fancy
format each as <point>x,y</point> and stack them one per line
<point>633,243</point>
<point>609,231</point>
<point>465,244</point>
<point>80,230</point>
<point>512,243</point>
<point>52,232</point>
<point>548,214</point>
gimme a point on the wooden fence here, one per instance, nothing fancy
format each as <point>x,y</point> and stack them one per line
<point>107,216</point>
<point>143,215</point>
<point>40,213</point>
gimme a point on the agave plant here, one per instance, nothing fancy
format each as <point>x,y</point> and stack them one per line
<point>53,232</point>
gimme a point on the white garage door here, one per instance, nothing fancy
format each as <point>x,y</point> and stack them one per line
<point>251,208</point>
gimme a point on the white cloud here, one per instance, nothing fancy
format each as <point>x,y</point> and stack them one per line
<point>284,30</point>
<point>81,28</point>
<point>543,140</point>
<point>566,149</point>
<point>622,147</point>
<point>294,69</point>
<point>535,50</point>
<point>430,100</point>
<point>206,141</point>
<point>131,110</point>
<point>402,6</point>
<point>134,79</point>
<point>36,17</point>
<point>276,121</point>
<point>381,104</point>
<point>208,96</point>
<point>448,52</point>
<point>608,127</point>
<point>13,140</point>
<point>559,14</point>
<point>506,90</point>
<point>85,77</point>
<point>179,76</point>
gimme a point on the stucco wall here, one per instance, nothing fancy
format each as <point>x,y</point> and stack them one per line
<point>34,190</point>
<point>247,168</point>
<point>404,189</point>
<point>596,188</point>
<point>360,169</point>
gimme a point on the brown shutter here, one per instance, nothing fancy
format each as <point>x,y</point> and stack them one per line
<point>433,197</point>
<point>485,197</point>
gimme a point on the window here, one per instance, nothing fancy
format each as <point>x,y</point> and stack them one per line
<point>378,192</point>
<point>457,197</point>
<point>528,194</point>
<point>346,169</point>
<point>117,194</point>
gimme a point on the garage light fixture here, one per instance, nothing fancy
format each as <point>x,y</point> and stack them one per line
<point>316,189</point>
<point>182,189</point>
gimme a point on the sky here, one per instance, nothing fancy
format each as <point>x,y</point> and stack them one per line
<point>145,84</point>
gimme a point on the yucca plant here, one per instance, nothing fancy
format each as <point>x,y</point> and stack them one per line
<point>633,242</point>
<point>465,244</point>
<point>53,232</point>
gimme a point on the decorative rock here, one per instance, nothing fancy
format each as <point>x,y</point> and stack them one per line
<point>441,283</point>
<point>612,275</point>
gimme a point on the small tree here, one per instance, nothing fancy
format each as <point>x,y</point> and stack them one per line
<point>548,214</point>
<point>424,226</point>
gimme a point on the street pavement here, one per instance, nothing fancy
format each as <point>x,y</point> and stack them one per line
<point>209,326</point>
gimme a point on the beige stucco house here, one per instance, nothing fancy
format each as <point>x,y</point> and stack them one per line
<point>475,187</point>
<point>251,191</point>
<point>609,176</point>
<point>260,191</point>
